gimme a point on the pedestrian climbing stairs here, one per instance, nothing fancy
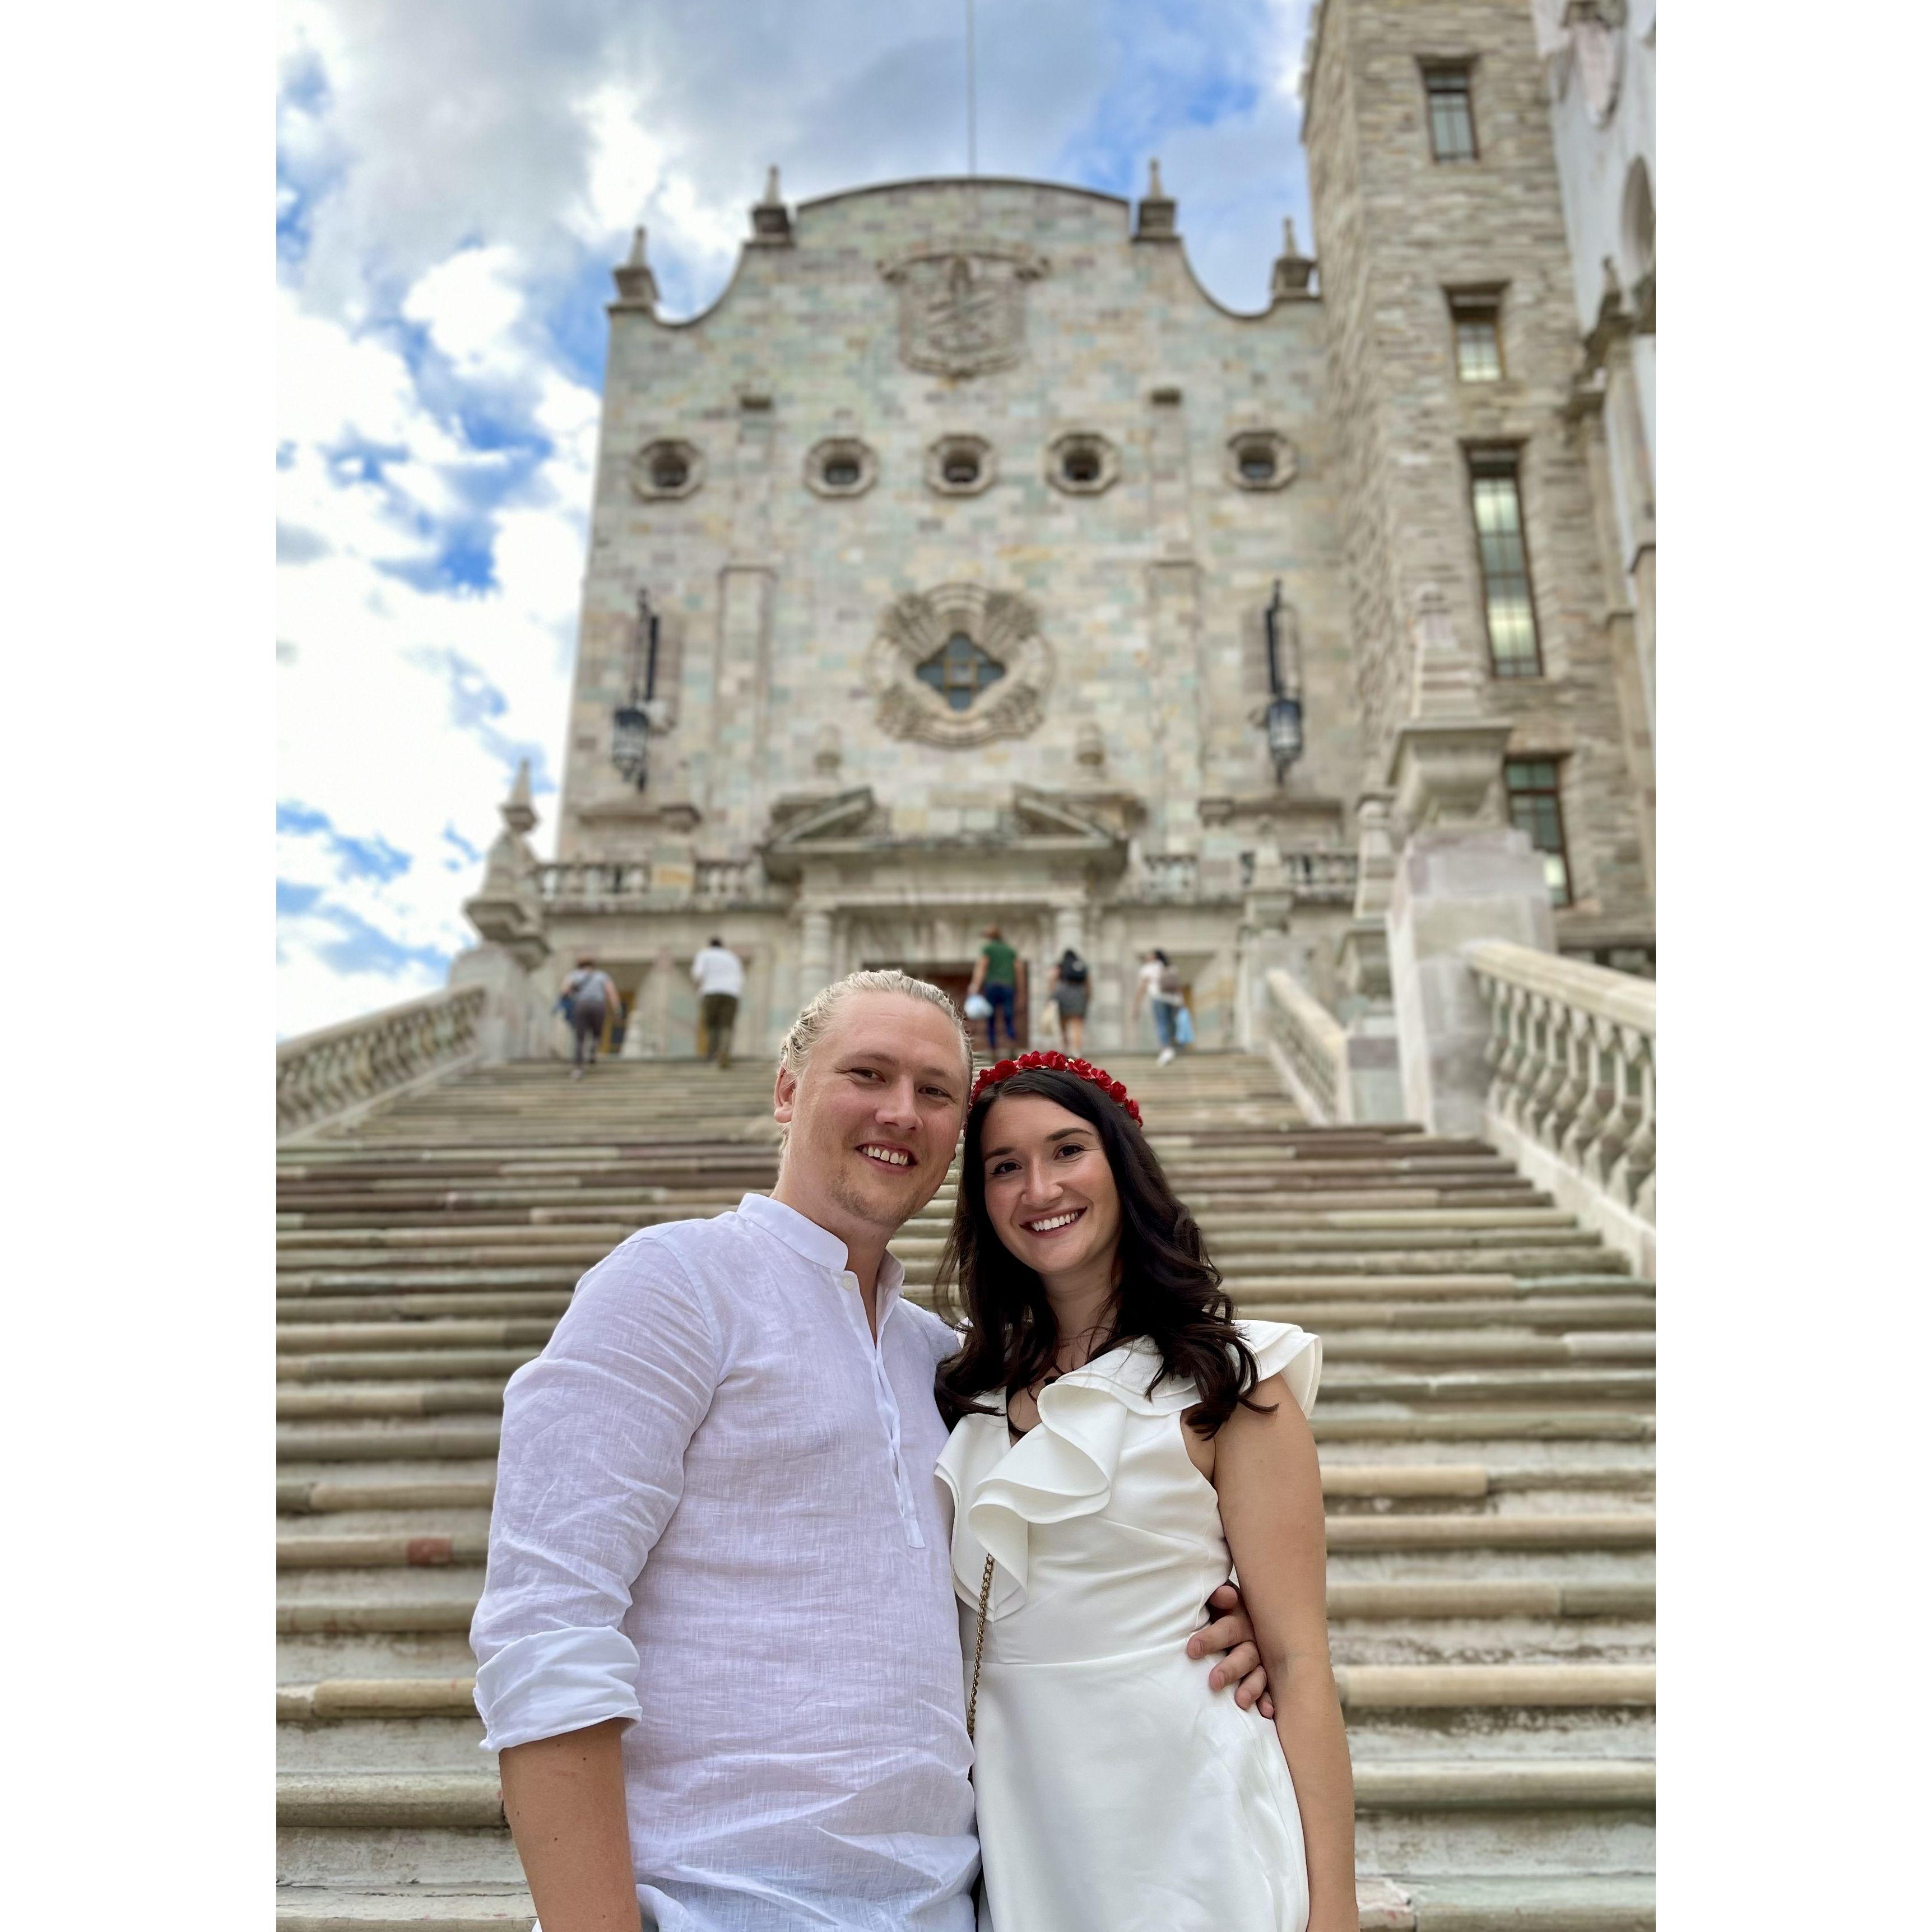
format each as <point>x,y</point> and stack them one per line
<point>1485,1423</point>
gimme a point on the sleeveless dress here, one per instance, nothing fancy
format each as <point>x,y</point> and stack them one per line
<point>1116,1791</point>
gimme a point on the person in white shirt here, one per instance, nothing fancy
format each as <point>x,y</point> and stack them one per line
<point>717,1648</point>
<point>718,974</point>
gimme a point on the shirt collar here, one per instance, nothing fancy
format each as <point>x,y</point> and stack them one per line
<point>818,1245</point>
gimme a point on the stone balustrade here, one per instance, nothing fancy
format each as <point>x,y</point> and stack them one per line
<point>1572,1088</point>
<point>1320,878</point>
<point>1309,1047</point>
<point>602,883</point>
<point>1169,875</point>
<point>337,1072</point>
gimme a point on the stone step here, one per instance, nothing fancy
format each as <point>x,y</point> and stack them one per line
<point>473,1802</point>
<point>296,1405</point>
<point>1359,1382</point>
<point>1377,1602</point>
<point>1529,1422</point>
<point>420,1908</point>
<point>1498,1346</point>
<point>1602,1529</point>
<point>1388,1687</point>
<point>454,1364</point>
<point>1542,1903</point>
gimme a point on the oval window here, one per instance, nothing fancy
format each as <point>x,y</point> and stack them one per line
<point>670,473</point>
<point>961,467</point>
<point>1257,462</point>
<point>1081,466</point>
<point>841,472</point>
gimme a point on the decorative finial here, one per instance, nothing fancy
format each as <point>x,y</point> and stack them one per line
<point>1292,268</point>
<point>636,287</point>
<point>1155,219</point>
<point>518,813</point>
<point>771,219</point>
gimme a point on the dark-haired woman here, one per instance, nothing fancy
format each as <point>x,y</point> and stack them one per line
<point>1067,990</point>
<point>1120,1443</point>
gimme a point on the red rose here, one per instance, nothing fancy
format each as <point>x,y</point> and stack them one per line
<point>1119,1092</point>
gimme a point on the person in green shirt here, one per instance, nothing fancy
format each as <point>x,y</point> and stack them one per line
<point>994,978</point>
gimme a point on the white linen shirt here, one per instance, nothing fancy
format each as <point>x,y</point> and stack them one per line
<point>718,970</point>
<point>717,1517</point>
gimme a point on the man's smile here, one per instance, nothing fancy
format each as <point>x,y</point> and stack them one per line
<point>887,1157</point>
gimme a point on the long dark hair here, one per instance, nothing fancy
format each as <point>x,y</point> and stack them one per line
<point>1169,1292</point>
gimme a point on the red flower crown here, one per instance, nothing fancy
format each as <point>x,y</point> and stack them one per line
<point>1081,1070</point>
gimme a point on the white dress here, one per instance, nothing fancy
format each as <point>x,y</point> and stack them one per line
<point>1116,1791</point>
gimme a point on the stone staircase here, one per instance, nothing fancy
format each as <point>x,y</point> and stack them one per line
<point>1485,1421</point>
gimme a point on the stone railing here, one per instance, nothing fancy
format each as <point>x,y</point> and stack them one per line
<point>1573,1086</point>
<point>704,882</point>
<point>1169,875</point>
<point>1309,1047</point>
<point>337,1072</point>
<point>585,879</point>
<point>1324,878</point>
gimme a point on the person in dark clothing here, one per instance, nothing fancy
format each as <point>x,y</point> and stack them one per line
<point>592,995</point>
<point>1067,990</point>
<point>995,977</point>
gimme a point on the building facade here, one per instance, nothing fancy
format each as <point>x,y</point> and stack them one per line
<point>966,564</point>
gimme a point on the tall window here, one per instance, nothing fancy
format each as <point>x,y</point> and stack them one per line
<point>1536,807</point>
<point>1507,602</point>
<point>1476,317</point>
<point>1452,127</point>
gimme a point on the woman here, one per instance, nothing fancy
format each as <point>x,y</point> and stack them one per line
<point>1119,1441</point>
<point>1067,991</point>
<point>1159,984</point>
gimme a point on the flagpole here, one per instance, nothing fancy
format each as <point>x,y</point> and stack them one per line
<point>972,106</point>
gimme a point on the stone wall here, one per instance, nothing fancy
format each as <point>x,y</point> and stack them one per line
<point>1395,229</point>
<point>1146,594</point>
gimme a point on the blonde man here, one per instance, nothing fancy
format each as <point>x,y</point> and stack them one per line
<point>718,1648</point>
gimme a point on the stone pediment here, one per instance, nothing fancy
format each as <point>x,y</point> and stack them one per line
<point>854,825</point>
<point>804,821</point>
<point>1055,814</point>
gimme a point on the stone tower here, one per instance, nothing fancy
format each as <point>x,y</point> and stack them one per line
<point>1469,530</point>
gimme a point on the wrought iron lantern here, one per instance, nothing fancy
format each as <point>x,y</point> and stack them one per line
<point>1283,717</point>
<point>631,723</point>
<point>1284,732</point>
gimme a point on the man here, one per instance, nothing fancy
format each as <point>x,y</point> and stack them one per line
<point>718,974</point>
<point>591,994</point>
<point>718,1644</point>
<point>995,976</point>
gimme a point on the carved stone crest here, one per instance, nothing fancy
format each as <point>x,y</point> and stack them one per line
<point>958,665</point>
<point>962,304</point>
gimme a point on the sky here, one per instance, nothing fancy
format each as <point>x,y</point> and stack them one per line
<point>454,181</point>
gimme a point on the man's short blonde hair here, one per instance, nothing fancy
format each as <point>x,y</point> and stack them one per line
<point>809,1029</point>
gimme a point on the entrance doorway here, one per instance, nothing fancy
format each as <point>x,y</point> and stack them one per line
<point>953,978</point>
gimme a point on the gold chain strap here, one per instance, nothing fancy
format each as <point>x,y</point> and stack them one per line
<point>979,1649</point>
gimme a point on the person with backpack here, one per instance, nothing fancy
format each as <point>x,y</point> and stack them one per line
<point>592,995</point>
<point>1067,990</point>
<point>1160,986</point>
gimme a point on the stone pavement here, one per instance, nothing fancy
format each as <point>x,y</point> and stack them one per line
<point>1485,1420</point>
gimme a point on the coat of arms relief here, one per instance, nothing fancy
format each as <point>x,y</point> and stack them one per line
<point>962,304</point>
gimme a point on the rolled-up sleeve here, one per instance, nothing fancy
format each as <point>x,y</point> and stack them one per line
<point>590,1468</point>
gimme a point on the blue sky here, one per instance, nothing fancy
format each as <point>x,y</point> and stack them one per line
<point>454,181</point>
